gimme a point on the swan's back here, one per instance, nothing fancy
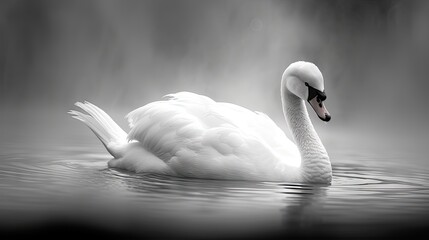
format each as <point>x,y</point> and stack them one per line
<point>198,137</point>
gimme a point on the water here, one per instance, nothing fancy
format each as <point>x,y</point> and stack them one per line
<point>371,195</point>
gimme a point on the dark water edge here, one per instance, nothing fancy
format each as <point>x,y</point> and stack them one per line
<point>73,229</point>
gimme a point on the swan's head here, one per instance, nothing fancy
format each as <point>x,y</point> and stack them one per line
<point>305,80</point>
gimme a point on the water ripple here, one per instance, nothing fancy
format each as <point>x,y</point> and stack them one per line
<point>75,180</point>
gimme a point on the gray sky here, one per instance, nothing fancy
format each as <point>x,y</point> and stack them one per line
<point>123,54</point>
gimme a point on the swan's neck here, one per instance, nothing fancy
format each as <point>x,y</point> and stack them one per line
<point>315,164</point>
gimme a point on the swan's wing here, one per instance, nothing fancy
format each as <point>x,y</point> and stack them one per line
<point>181,121</point>
<point>264,129</point>
<point>186,120</point>
<point>213,114</point>
<point>255,123</point>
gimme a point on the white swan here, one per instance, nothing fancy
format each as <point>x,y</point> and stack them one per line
<point>191,135</point>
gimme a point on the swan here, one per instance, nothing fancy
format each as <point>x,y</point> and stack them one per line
<point>190,135</point>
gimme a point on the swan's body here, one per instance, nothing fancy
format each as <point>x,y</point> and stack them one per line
<point>191,135</point>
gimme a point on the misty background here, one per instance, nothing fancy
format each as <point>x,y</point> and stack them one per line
<point>121,55</point>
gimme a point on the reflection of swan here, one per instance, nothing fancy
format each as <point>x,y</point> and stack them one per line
<point>303,208</point>
<point>193,136</point>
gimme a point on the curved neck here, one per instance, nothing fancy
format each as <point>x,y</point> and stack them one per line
<point>315,164</point>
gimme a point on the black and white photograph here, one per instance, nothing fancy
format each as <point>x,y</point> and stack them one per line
<point>226,119</point>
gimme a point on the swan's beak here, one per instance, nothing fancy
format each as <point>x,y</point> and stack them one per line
<point>320,109</point>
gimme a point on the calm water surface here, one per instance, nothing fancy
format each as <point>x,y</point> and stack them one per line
<point>41,185</point>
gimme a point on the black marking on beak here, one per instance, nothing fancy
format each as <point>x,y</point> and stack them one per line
<point>312,93</point>
<point>326,119</point>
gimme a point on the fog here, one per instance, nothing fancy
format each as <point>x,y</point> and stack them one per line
<point>121,55</point>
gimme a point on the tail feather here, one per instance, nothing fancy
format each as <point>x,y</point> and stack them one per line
<point>109,133</point>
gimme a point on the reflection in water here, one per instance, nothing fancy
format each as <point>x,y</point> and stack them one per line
<point>74,183</point>
<point>294,215</point>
